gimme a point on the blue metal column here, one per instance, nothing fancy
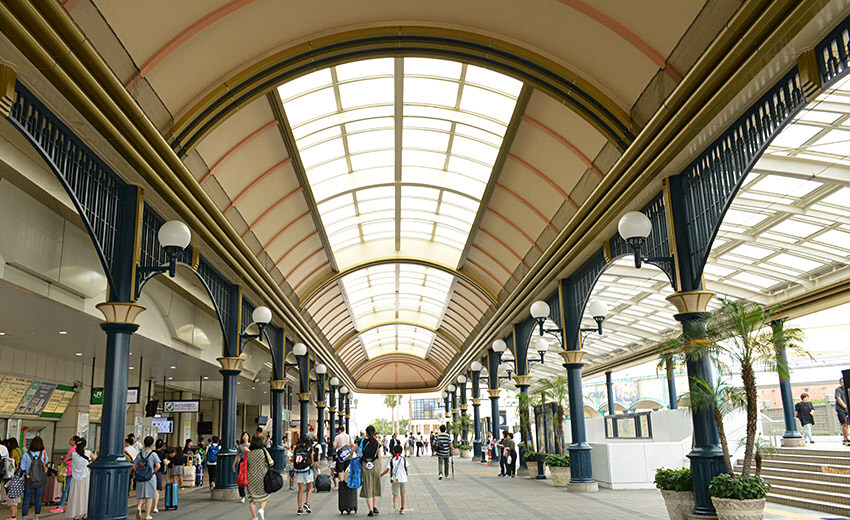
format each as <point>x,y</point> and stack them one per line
<point>791,437</point>
<point>476,414</point>
<point>581,469</point>
<point>463,409</point>
<point>493,376</point>
<point>231,366</point>
<point>455,411</point>
<point>671,385</point>
<point>347,413</point>
<point>342,423</point>
<point>521,339</point>
<point>110,473</point>
<point>320,411</point>
<point>278,387</point>
<point>332,412</point>
<point>446,404</point>
<point>609,385</point>
<point>304,392</point>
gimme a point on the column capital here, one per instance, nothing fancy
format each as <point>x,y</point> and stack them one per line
<point>304,396</point>
<point>348,416</point>
<point>691,301</point>
<point>572,357</point>
<point>476,401</point>
<point>8,96</point>
<point>332,410</point>
<point>321,404</point>
<point>278,384</point>
<point>231,363</point>
<point>494,392</point>
<point>523,380</point>
<point>120,312</point>
<point>464,407</point>
<point>455,410</point>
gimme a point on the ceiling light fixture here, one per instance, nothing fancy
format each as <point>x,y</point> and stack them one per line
<point>63,332</point>
<point>78,354</point>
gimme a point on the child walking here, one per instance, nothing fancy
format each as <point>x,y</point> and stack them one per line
<point>397,469</point>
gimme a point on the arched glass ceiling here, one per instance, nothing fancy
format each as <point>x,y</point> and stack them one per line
<point>398,153</point>
<point>373,133</point>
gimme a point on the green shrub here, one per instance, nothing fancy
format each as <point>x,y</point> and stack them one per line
<point>739,488</point>
<point>557,461</point>
<point>674,479</point>
<point>464,447</point>
<point>531,456</point>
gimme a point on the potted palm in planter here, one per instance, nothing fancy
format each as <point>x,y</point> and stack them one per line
<point>559,467</point>
<point>557,388</point>
<point>676,486</point>
<point>465,451</point>
<point>738,497</point>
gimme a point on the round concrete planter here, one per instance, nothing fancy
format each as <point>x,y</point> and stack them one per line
<point>560,475</point>
<point>466,454</point>
<point>680,504</point>
<point>732,509</point>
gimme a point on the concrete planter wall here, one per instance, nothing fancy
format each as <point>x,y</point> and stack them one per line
<point>560,475</point>
<point>732,509</point>
<point>680,504</point>
<point>466,454</point>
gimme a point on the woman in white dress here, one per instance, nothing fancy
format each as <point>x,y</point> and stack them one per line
<point>78,493</point>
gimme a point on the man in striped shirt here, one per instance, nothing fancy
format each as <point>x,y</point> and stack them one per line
<point>444,451</point>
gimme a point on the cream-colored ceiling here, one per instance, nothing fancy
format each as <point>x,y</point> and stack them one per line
<point>552,159</point>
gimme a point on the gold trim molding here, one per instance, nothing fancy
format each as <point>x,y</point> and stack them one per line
<point>277,384</point>
<point>494,392</point>
<point>8,96</point>
<point>120,312</point>
<point>464,407</point>
<point>572,357</point>
<point>476,401</point>
<point>522,380</point>
<point>231,363</point>
<point>304,396</point>
<point>321,404</point>
<point>691,301</point>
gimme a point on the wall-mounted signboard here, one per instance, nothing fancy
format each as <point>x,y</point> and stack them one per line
<point>132,395</point>
<point>181,406</point>
<point>26,398</point>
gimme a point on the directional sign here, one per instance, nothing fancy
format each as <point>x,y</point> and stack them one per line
<point>181,406</point>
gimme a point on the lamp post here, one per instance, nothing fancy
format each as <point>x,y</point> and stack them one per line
<point>445,396</point>
<point>461,381</point>
<point>483,377</point>
<point>332,384</point>
<point>494,357</point>
<point>343,391</point>
<point>453,397</point>
<point>321,373</point>
<point>347,400</point>
<point>692,305</point>
<point>300,353</point>
<point>475,371</point>
<point>581,471</point>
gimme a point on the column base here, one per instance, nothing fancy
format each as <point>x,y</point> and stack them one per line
<point>110,481</point>
<point>793,442</point>
<point>278,454</point>
<point>225,494</point>
<point>582,487</point>
<point>476,450</point>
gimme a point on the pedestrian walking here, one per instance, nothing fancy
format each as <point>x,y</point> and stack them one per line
<point>77,505</point>
<point>370,455</point>
<point>241,451</point>
<point>804,412</point>
<point>147,463</point>
<point>444,450</point>
<point>259,461</point>
<point>303,459</point>
<point>397,468</point>
<point>34,466</point>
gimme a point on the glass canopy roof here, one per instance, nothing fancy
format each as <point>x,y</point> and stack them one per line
<point>398,153</point>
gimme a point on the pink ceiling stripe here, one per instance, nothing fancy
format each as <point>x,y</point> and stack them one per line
<point>236,148</point>
<point>183,37</point>
<point>561,139</point>
<point>70,4</point>
<point>626,34</point>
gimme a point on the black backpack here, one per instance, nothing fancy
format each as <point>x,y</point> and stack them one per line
<point>301,458</point>
<point>37,477</point>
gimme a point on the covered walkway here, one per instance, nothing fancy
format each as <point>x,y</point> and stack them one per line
<point>475,493</point>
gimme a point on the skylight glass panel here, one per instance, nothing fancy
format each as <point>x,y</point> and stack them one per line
<point>373,123</point>
<point>796,228</point>
<point>485,102</point>
<point>311,106</point>
<point>838,198</point>
<point>751,251</point>
<point>781,185</point>
<point>795,135</point>
<point>365,68</point>
<point>795,262</point>
<point>305,83</point>
<point>427,91</point>
<point>365,161</point>
<point>367,141</point>
<point>762,282</point>
<point>366,92</point>
<point>432,67</point>
<point>493,80</point>
<point>834,142</point>
<point>428,140</point>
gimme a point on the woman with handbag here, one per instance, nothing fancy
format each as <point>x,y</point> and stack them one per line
<point>64,475</point>
<point>370,458</point>
<point>258,461</point>
<point>241,451</point>
<point>34,466</point>
<point>78,495</point>
<point>14,484</point>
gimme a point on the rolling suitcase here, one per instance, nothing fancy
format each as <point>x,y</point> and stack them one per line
<point>171,495</point>
<point>199,476</point>
<point>347,498</point>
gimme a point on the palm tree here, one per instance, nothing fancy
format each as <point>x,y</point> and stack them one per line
<point>721,399</point>
<point>742,331</point>
<point>558,388</point>
<point>392,401</point>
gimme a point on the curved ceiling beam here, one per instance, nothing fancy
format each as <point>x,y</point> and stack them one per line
<point>395,357</point>
<point>565,142</point>
<point>310,294</point>
<point>448,337</point>
<point>621,31</point>
<point>568,88</point>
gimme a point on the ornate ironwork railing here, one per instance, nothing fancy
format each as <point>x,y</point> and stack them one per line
<point>95,189</point>
<point>833,54</point>
<point>658,241</point>
<point>576,292</point>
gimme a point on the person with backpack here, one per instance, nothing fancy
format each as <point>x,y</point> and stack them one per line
<point>78,493</point>
<point>212,459</point>
<point>397,468</point>
<point>370,460</point>
<point>34,467</point>
<point>303,458</point>
<point>159,449</point>
<point>12,481</point>
<point>147,463</point>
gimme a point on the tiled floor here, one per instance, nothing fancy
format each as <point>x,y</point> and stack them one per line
<point>475,493</point>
